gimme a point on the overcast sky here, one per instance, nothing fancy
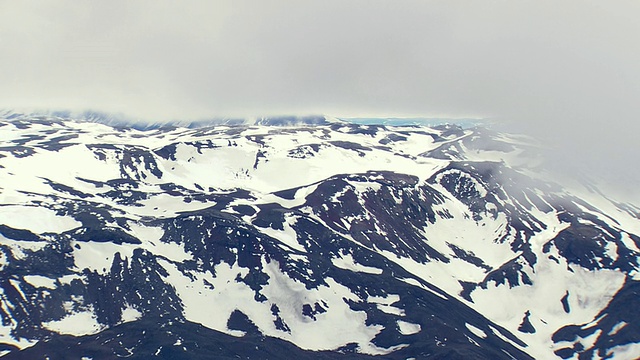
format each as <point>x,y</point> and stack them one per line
<point>565,71</point>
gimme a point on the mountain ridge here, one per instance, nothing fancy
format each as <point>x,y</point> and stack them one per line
<point>377,240</point>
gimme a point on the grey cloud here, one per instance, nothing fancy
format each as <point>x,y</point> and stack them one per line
<point>565,72</point>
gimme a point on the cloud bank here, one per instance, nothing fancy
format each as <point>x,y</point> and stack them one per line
<point>563,71</point>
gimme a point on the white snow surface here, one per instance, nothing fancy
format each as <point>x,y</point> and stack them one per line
<point>265,160</point>
<point>624,352</point>
<point>77,323</point>
<point>589,292</point>
<point>477,332</point>
<point>287,236</point>
<point>40,281</point>
<point>336,327</point>
<point>37,219</point>
<point>98,256</point>
<point>220,167</point>
<point>130,314</point>
<point>407,328</point>
<point>348,263</point>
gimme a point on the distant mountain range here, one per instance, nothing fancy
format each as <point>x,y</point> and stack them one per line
<point>119,120</point>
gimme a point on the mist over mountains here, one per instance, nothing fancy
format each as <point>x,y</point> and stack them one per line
<point>474,195</point>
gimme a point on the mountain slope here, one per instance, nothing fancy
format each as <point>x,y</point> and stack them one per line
<point>324,239</point>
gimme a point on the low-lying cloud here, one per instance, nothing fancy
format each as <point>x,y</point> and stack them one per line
<point>565,72</point>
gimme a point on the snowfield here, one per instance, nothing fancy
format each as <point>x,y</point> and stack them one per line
<point>404,241</point>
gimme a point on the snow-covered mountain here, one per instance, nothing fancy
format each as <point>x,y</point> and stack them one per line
<point>309,237</point>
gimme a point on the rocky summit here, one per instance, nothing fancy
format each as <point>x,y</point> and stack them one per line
<point>309,238</point>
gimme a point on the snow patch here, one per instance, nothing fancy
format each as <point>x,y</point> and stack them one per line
<point>590,292</point>
<point>36,219</point>
<point>77,324</point>
<point>347,262</point>
<point>617,328</point>
<point>130,314</point>
<point>337,326</point>
<point>624,352</point>
<point>287,236</point>
<point>407,328</point>
<point>150,238</point>
<point>40,281</point>
<point>476,331</point>
<point>18,247</point>
<point>98,256</point>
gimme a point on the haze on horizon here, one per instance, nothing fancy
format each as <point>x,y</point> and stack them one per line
<point>565,72</point>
